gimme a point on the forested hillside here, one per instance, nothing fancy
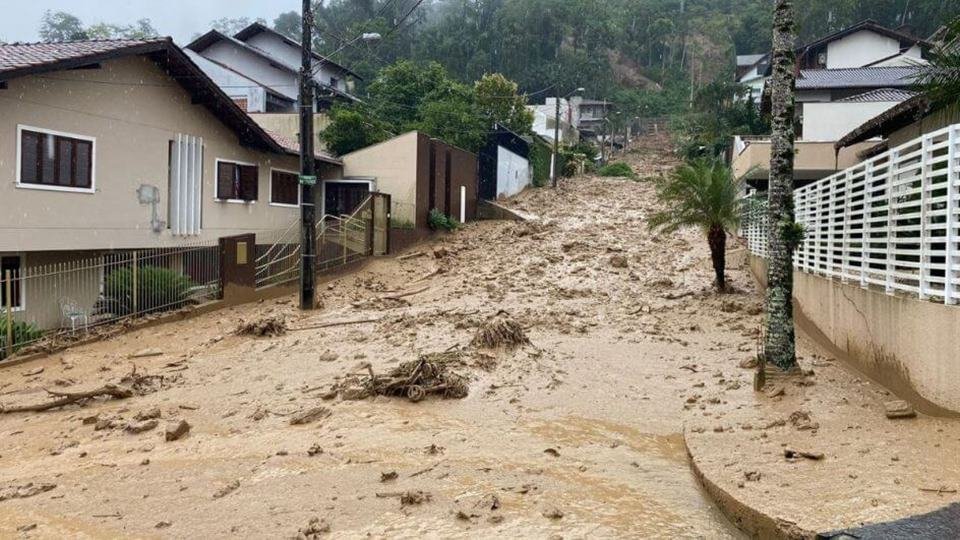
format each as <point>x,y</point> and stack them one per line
<point>605,46</point>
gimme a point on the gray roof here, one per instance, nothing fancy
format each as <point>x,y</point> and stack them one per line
<point>865,77</point>
<point>748,59</point>
<point>881,95</point>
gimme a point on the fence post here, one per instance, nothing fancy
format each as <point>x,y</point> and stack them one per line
<point>865,245</point>
<point>343,238</point>
<point>891,237</point>
<point>135,289</point>
<point>924,252</point>
<point>8,290</point>
<point>953,178</point>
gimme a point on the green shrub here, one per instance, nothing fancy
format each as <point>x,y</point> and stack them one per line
<point>23,333</point>
<point>619,169</point>
<point>439,221</point>
<point>157,288</point>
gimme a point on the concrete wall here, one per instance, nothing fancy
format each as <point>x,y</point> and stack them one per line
<point>133,110</point>
<point>393,164</point>
<point>831,121</point>
<point>814,160</point>
<point>288,124</point>
<point>513,173</point>
<point>859,49</point>
<point>907,344</point>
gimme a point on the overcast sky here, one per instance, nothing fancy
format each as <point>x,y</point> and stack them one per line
<point>20,19</point>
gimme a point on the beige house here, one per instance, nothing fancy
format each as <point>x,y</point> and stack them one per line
<point>111,146</point>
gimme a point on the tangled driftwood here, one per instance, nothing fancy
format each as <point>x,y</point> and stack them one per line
<point>266,327</point>
<point>498,331</point>
<point>130,384</point>
<point>417,379</point>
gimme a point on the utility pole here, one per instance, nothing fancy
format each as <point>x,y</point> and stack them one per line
<point>556,138</point>
<point>308,178</point>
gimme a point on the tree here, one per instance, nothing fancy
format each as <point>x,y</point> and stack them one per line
<point>141,30</point>
<point>230,26</point>
<point>352,128</point>
<point>940,79</point>
<point>701,194</point>
<point>61,26</point>
<point>784,234</point>
<point>453,118</point>
<point>499,102</point>
<point>289,24</point>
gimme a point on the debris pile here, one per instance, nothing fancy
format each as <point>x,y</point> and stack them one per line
<point>415,380</point>
<point>130,385</point>
<point>265,327</point>
<point>498,331</point>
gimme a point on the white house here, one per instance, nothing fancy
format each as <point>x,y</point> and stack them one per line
<point>258,68</point>
<point>544,123</point>
<point>864,45</point>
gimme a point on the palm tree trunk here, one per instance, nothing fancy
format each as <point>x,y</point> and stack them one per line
<point>780,346</point>
<point>717,238</point>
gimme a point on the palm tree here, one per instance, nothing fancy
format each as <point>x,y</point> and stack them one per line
<point>702,194</point>
<point>939,79</point>
<point>783,234</point>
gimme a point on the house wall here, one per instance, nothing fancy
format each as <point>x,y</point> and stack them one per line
<point>276,47</point>
<point>289,125</point>
<point>932,122</point>
<point>394,165</point>
<point>513,173</point>
<point>831,121</point>
<point>859,49</point>
<point>463,166</point>
<point>133,109</point>
<point>254,67</point>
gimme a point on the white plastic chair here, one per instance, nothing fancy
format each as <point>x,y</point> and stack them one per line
<point>71,311</point>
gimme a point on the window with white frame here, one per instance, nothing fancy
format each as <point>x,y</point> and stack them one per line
<point>14,265</point>
<point>53,160</point>
<point>236,181</point>
<point>284,188</point>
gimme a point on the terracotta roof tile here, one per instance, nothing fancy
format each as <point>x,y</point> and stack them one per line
<point>22,55</point>
<point>293,146</point>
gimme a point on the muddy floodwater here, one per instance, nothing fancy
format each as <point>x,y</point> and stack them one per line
<point>577,434</point>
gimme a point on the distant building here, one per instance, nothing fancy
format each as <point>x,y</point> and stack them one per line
<point>259,69</point>
<point>844,79</point>
<point>544,121</point>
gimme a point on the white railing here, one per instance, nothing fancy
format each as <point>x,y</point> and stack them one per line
<point>80,293</point>
<point>889,222</point>
<point>340,240</point>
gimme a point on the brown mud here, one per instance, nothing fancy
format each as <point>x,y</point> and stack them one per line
<point>576,433</point>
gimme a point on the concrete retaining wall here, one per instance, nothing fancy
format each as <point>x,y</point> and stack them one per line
<point>908,345</point>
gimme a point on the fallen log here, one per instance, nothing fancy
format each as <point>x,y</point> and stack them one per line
<point>398,296</point>
<point>410,255</point>
<point>334,323</point>
<point>69,398</point>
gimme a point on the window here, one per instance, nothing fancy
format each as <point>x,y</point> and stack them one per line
<point>284,188</point>
<point>13,264</point>
<point>236,181</point>
<point>334,82</point>
<point>50,160</point>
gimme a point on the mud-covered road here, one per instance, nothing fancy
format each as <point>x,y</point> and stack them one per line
<point>577,434</point>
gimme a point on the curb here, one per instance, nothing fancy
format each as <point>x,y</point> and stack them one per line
<point>746,518</point>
